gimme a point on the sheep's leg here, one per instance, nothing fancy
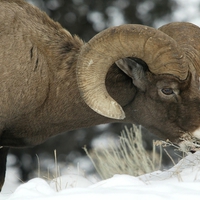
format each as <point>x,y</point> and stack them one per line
<point>3,159</point>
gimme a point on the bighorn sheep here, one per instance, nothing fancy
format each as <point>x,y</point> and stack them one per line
<point>52,82</point>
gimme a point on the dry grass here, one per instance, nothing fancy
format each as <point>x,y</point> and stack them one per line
<point>128,157</point>
<point>51,175</point>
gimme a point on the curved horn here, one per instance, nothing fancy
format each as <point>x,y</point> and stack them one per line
<point>187,36</point>
<point>157,49</point>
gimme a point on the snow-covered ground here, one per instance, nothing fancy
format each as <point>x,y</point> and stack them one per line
<point>180,182</point>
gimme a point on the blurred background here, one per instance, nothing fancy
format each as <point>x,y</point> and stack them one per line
<point>86,18</point>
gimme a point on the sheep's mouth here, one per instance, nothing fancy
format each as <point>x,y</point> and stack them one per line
<point>189,144</point>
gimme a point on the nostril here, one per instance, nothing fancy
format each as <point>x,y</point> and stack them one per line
<point>192,151</point>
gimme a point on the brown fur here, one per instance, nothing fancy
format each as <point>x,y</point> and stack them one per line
<point>39,96</point>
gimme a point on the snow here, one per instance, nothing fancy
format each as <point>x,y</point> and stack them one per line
<point>180,182</point>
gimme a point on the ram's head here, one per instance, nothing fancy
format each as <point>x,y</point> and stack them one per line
<point>164,67</point>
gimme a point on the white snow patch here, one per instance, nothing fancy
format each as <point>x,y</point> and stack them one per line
<point>180,182</point>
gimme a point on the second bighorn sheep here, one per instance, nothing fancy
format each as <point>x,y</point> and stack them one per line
<point>52,82</point>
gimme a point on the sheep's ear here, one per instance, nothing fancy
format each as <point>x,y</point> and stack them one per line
<point>133,70</point>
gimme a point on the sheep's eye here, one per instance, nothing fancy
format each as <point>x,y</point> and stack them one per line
<point>167,91</point>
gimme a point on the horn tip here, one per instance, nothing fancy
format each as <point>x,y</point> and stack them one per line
<point>118,114</point>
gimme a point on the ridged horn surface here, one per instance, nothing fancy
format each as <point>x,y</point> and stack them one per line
<point>157,49</point>
<point>187,36</point>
